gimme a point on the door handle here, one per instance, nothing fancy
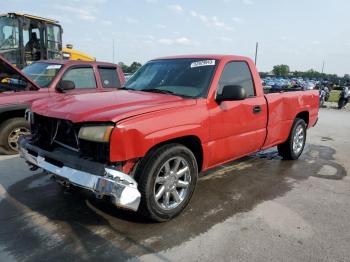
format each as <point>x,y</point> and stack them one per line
<point>256,109</point>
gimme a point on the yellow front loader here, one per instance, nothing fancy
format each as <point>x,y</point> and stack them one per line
<point>26,38</point>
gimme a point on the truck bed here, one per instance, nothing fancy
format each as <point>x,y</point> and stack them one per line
<point>283,107</point>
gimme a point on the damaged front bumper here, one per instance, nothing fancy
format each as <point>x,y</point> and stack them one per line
<point>121,187</point>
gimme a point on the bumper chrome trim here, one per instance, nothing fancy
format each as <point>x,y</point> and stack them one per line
<point>121,187</point>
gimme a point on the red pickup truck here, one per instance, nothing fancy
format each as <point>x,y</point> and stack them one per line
<point>43,79</point>
<point>143,146</point>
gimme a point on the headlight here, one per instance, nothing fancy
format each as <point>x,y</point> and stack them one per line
<point>95,133</point>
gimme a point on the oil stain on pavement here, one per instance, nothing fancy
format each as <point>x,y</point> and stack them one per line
<point>41,221</point>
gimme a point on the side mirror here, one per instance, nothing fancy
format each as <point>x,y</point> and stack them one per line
<point>65,85</point>
<point>231,93</point>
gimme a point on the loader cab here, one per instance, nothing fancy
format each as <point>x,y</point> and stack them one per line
<point>25,39</point>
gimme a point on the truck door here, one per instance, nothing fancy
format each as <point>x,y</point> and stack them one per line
<point>237,128</point>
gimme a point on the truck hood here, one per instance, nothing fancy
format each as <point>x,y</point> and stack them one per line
<point>106,106</point>
<point>9,70</point>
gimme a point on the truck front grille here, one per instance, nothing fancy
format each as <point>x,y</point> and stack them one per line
<point>50,133</point>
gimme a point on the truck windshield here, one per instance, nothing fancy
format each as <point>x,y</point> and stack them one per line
<point>188,77</point>
<point>42,73</point>
<point>9,33</point>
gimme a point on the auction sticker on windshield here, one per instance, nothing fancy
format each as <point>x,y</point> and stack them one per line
<point>203,63</point>
<point>53,67</point>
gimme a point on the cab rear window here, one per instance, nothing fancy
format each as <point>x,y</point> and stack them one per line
<point>109,77</point>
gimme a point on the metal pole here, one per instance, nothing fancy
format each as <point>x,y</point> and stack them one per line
<point>322,67</point>
<point>256,52</point>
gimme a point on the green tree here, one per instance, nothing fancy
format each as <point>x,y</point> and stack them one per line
<point>134,67</point>
<point>281,70</point>
<point>130,69</point>
<point>123,66</point>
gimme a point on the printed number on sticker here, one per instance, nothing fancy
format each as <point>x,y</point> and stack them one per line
<point>203,63</point>
<point>53,67</point>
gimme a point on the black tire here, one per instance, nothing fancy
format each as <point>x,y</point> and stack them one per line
<point>147,173</point>
<point>8,127</point>
<point>286,149</point>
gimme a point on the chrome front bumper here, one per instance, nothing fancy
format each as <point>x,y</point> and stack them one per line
<point>119,186</point>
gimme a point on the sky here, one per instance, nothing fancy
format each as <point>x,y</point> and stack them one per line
<point>301,34</point>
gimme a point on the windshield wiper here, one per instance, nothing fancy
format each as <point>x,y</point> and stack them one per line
<point>125,88</point>
<point>155,90</point>
<point>162,91</point>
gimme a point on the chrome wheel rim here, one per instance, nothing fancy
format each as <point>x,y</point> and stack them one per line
<point>298,139</point>
<point>14,135</point>
<point>172,183</point>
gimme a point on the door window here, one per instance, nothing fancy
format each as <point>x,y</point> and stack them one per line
<point>81,77</point>
<point>109,77</point>
<point>237,73</point>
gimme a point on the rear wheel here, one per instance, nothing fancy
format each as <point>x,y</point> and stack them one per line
<point>10,131</point>
<point>294,146</point>
<point>167,178</point>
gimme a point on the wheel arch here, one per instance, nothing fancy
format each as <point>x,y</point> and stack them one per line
<point>192,142</point>
<point>12,112</point>
<point>304,115</point>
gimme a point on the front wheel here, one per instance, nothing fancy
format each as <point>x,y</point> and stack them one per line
<point>166,177</point>
<point>294,146</point>
<point>10,131</point>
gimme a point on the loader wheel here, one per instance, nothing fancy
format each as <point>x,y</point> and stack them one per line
<point>10,131</point>
<point>294,146</point>
<point>166,177</point>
